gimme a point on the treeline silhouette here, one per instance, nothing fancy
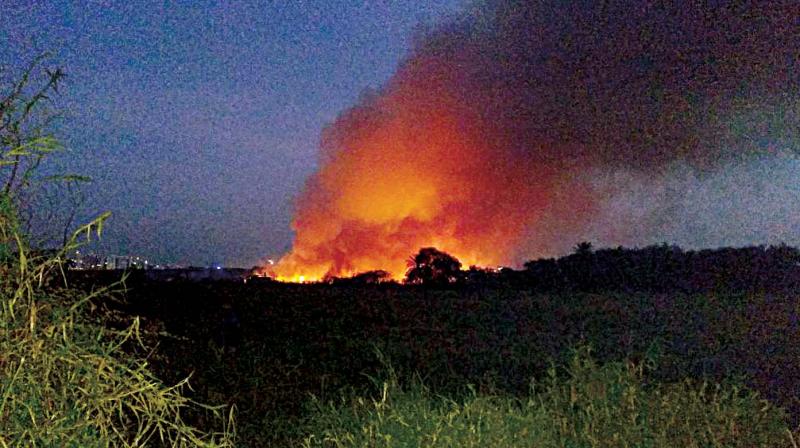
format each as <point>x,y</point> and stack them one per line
<point>665,268</point>
<point>494,327</point>
<point>657,268</point>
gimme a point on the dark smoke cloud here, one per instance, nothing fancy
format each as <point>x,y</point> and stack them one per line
<point>632,83</point>
<point>640,105</point>
<point>625,122</point>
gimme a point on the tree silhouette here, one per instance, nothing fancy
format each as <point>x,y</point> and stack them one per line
<point>583,248</point>
<point>665,268</point>
<point>371,277</point>
<point>433,267</point>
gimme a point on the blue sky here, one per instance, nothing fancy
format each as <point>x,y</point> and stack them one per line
<point>199,121</point>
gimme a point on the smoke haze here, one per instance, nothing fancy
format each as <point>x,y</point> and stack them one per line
<point>523,127</point>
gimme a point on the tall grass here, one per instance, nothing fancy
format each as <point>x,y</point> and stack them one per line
<point>589,405</point>
<point>65,380</point>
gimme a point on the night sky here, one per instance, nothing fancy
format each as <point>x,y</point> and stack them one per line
<point>505,129</point>
<point>199,121</point>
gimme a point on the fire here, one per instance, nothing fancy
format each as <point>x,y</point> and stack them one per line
<point>504,134</point>
<point>406,170</point>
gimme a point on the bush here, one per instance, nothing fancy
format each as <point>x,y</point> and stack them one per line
<point>590,406</point>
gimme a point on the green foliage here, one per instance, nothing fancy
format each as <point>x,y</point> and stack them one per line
<point>65,379</point>
<point>24,119</point>
<point>588,406</point>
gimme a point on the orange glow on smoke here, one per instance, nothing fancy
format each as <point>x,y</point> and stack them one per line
<point>406,170</point>
<point>504,133</point>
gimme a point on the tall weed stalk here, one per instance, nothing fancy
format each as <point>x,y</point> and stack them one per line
<point>64,378</point>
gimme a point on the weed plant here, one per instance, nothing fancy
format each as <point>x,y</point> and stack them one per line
<point>588,405</point>
<point>65,380</point>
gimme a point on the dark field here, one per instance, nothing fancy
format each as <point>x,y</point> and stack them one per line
<point>267,348</point>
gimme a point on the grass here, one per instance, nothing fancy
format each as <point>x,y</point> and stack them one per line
<point>67,377</point>
<point>302,340</point>
<point>588,405</point>
<point>64,379</point>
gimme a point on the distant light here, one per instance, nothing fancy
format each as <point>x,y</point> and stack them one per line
<point>270,261</point>
<point>219,267</point>
<point>302,278</point>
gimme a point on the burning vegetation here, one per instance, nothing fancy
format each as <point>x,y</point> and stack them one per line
<point>503,135</point>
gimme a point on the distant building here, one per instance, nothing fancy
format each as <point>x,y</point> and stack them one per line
<point>82,261</point>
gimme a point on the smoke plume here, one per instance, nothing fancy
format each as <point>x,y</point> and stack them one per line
<point>521,127</point>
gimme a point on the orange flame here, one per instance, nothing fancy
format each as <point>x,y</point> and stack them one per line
<point>499,131</point>
<point>406,170</point>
